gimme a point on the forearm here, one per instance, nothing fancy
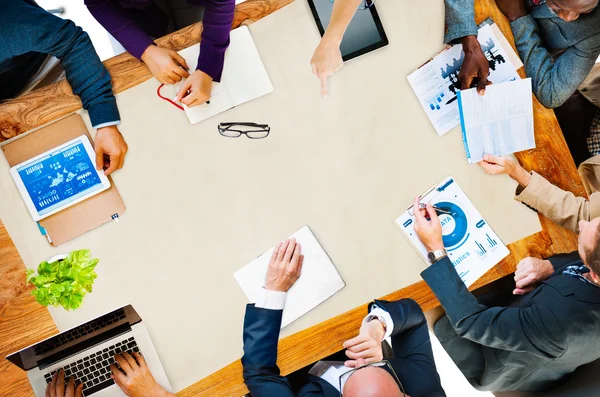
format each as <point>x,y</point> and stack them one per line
<point>553,82</point>
<point>90,80</point>
<point>560,206</point>
<point>121,24</point>
<point>460,20</point>
<point>261,336</point>
<point>343,11</point>
<point>218,17</point>
<point>533,329</point>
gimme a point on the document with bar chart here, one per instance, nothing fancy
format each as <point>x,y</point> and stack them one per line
<point>472,245</point>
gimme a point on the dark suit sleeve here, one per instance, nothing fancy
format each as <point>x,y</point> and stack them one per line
<point>413,357</point>
<point>534,329</point>
<point>261,336</point>
<point>560,261</point>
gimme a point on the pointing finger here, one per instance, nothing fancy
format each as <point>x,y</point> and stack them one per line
<point>324,89</point>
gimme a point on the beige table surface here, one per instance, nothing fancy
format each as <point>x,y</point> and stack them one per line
<point>200,206</point>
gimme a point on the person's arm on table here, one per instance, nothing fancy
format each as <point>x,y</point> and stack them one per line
<point>534,329</point>
<point>263,322</point>
<point>553,82</point>
<point>218,17</point>
<point>134,378</point>
<point>167,66</point>
<point>560,206</point>
<point>31,28</point>
<point>327,58</point>
<point>461,27</point>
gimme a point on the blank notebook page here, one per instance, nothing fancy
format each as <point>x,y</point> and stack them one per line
<point>319,279</point>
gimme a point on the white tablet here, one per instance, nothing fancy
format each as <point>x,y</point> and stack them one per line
<point>59,178</point>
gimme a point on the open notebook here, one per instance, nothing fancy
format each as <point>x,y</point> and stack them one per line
<point>244,76</point>
<point>319,279</point>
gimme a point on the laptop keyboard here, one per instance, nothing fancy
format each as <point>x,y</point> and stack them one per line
<point>93,371</point>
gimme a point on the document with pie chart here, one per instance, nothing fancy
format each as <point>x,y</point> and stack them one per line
<point>472,245</point>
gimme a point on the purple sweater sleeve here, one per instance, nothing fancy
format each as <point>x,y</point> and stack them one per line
<point>218,17</point>
<point>121,23</point>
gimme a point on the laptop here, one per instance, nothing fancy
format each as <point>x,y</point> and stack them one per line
<point>86,352</point>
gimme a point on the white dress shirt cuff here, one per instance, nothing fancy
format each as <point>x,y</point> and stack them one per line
<point>272,300</point>
<point>375,312</point>
<point>107,124</point>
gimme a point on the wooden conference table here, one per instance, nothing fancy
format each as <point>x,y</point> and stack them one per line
<point>23,321</point>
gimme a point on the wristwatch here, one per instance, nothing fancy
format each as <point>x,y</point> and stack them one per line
<point>434,256</point>
<point>372,317</point>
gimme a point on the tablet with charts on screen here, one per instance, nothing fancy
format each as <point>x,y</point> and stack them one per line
<point>59,178</point>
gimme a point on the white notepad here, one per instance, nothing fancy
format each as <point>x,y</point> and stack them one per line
<point>319,280</point>
<point>499,122</point>
<point>244,76</point>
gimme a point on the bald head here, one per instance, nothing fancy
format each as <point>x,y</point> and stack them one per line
<point>371,382</point>
<point>570,10</point>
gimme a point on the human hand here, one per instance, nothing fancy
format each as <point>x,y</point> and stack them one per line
<point>512,9</point>
<point>494,165</point>
<point>428,231</point>
<point>326,60</point>
<point>110,149</point>
<point>134,377</point>
<point>57,388</point>
<point>475,66</point>
<point>366,347</point>
<point>196,89</point>
<point>530,272</point>
<point>285,266</point>
<point>166,65</point>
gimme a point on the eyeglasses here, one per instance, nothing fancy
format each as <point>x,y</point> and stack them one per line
<point>363,5</point>
<point>384,364</point>
<point>251,130</point>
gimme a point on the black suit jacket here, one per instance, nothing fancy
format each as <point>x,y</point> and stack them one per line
<point>412,361</point>
<point>529,345</point>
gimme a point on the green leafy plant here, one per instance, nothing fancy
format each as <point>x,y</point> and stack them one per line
<point>65,282</point>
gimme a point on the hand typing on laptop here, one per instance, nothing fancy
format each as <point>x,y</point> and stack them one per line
<point>57,387</point>
<point>134,378</point>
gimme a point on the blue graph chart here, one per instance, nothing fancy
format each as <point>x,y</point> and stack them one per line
<point>59,178</point>
<point>434,104</point>
<point>490,244</point>
<point>457,236</point>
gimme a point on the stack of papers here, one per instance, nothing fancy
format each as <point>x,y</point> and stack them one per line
<point>499,122</point>
<point>436,82</point>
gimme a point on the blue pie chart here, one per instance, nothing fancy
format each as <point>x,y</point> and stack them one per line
<point>459,232</point>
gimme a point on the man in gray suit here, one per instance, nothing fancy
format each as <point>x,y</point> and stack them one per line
<point>535,340</point>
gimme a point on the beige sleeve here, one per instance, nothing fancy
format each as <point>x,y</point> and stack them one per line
<point>560,206</point>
